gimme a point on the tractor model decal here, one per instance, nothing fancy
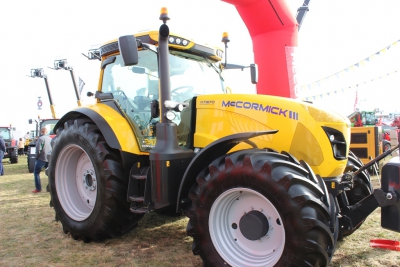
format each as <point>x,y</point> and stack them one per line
<point>260,107</point>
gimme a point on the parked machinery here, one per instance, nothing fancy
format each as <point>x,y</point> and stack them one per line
<point>63,64</point>
<point>40,123</point>
<point>11,143</point>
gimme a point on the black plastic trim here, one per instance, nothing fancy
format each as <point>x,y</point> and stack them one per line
<point>109,49</point>
<point>107,61</point>
<point>339,141</point>
<point>193,117</point>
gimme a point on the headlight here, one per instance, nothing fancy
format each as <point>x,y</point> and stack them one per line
<point>170,115</point>
<point>337,142</point>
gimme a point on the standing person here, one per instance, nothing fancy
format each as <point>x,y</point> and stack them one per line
<point>42,148</point>
<point>21,146</point>
<point>2,151</point>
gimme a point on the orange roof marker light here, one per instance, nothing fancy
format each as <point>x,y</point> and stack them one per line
<point>164,14</point>
<point>225,38</point>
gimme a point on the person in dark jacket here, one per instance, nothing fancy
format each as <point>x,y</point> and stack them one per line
<point>42,148</point>
<point>2,152</point>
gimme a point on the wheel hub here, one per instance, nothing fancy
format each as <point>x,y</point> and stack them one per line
<point>246,229</point>
<point>89,180</point>
<point>253,225</point>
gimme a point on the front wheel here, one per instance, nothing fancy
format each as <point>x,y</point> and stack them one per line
<point>13,156</point>
<point>257,208</point>
<point>361,189</point>
<point>88,184</point>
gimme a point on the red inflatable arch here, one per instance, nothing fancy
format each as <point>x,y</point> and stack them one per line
<point>273,30</point>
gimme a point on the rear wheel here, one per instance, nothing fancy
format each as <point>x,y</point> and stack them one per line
<point>88,184</point>
<point>257,208</point>
<point>31,164</point>
<point>386,146</point>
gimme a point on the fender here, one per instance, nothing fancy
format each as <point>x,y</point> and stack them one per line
<point>104,127</point>
<point>114,126</point>
<point>209,153</point>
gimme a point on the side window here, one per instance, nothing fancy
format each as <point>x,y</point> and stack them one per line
<point>134,88</point>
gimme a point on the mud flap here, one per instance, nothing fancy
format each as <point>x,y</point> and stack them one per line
<point>390,216</point>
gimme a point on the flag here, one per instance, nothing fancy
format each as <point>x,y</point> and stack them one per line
<point>355,102</point>
<point>81,84</point>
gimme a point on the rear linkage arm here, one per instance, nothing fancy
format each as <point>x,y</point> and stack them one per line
<point>357,213</point>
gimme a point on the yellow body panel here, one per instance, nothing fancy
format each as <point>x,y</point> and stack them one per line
<point>119,126</point>
<point>299,124</point>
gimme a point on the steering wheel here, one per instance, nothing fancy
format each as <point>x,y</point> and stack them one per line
<point>175,93</point>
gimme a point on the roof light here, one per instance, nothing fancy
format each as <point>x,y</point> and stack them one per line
<point>164,14</point>
<point>225,37</point>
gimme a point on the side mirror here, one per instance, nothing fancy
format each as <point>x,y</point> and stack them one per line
<point>155,109</point>
<point>128,49</point>
<point>30,121</point>
<point>253,70</point>
<point>254,73</point>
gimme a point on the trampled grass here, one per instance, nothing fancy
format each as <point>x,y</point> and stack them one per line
<point>29,235</point>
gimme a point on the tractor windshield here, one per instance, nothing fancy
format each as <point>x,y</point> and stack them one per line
<point>49,125</point>
<point>134,87</point>
<point>5,133</point>
<point>368,118</point>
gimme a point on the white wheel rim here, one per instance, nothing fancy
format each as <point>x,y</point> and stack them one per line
<point>231,244</point>
<point>76,182</point>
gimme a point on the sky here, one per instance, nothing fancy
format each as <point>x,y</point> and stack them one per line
<point>335,35</point>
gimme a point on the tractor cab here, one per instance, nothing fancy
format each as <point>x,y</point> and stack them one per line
<point>194,70</point>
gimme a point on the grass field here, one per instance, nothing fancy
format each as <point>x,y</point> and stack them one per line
<point>29,235</point>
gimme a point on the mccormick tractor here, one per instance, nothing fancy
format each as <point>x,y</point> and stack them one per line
<point>11,144</point>
<point>264,180</point>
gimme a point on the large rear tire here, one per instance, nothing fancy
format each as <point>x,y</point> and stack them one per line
<point>257,208</point>
<point>88,184</point>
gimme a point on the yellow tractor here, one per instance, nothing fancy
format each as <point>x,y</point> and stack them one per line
<point>264,180</point>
